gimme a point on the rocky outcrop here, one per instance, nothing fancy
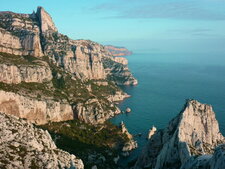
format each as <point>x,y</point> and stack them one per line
<point>121,60</point>
<point>130,144</point>
<point>194,131</point>
<point>45,20</point>
<point>34,110</point>
<point>93,112</point>
<point>19,34</point>
<point>118,72</point>
<point>151,132</point>
<point>118,51</point>
<point>21,73</point>
<point>215,161</point>
<point>22,145</point>
<point>118,96</point>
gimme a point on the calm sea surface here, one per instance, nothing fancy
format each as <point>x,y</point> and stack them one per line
<point>165,82</point>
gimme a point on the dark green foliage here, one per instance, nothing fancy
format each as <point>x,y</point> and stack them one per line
<point>83,139</point>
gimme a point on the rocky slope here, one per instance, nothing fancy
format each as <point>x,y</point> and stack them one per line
<point>194,132</point>
<point>22,145</point>
<point>118,51</point>
<point>214,161</point>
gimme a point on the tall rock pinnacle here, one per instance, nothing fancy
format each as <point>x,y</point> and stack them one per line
<point>45,20</point>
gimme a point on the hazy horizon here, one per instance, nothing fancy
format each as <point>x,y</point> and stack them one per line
<point>156,26</point>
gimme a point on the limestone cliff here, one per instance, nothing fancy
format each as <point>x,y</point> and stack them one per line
<point>22,145</point>
<point>194,131</point>
<point>19,34</point>
<point>214,161</point>
<point>34,110</point>
<point>40,65</point>
<point>36,35</point>
<point>118,51</point>
<point>16,69</point>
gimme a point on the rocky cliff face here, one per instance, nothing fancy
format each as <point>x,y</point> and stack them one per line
<point>36,35</point>
<point>66,75</point>
<point>194,131</point>
<point>36,111</point>
<point>22,145</point>
<point>17,74</point>
<point>214,161</point>
<point>19,34</point>
<point>118,51</point>
<point>93,112</point>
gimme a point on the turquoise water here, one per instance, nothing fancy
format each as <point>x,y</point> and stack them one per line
<point>165,82</point>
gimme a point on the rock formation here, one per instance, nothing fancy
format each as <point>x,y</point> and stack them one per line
<point>93,112</point>
<point>17,74</point>
<point>22,145</point>
<point>130,144</point>
<point>151,132</point>
<point>36,35</point>
<point>34,110</point>
<point>118,51</point>
<point>215,161</point>
<point>19,34</point>
<point>194,131</point>
<point>34,53</point>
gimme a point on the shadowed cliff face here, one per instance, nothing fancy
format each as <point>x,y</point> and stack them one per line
<point>193,132</point>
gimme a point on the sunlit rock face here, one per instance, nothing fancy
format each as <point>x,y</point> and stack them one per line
<point>22,145</point>
<point>36,35</point>
<point>19,34</point>
<point>34,110</point>
<point>194,131</point>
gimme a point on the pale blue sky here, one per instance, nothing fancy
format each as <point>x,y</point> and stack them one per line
<point>150,25</point>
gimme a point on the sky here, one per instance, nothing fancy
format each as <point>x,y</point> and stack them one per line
<point>163,26</point>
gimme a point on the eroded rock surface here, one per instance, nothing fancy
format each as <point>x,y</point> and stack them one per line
<point>34,110</point>
<point>194,131</point>
<point>20,73</point>
<point>23,146</point>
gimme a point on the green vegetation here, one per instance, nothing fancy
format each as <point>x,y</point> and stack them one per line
<point>84,140</point>
<point>17,59</point>
<point>118,71</point>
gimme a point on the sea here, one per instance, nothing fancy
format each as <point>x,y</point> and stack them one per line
<point>165,82</point>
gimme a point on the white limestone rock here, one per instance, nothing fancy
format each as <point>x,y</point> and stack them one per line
<point>194,131</point>
<point>24,73</point>
<point>24,146</point>
<point>36,111</point>
<point>92,112</point>
<point>151,132</point>
<point>45,20</point>
<point>19,34</point>
<point>131,144</point>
